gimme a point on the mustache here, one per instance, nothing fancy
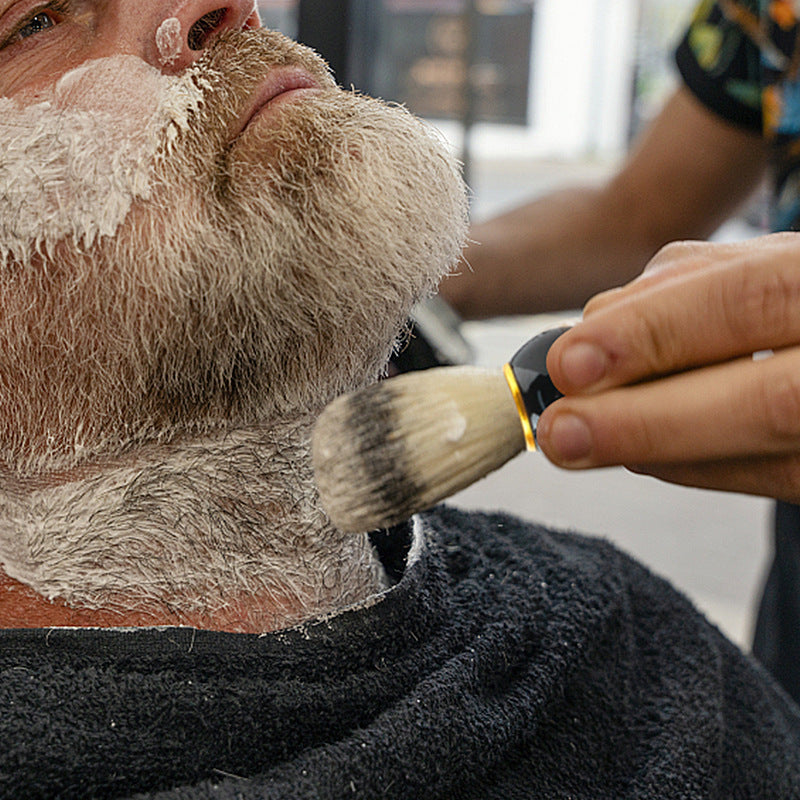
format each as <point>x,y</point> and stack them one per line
<point>232,69</point>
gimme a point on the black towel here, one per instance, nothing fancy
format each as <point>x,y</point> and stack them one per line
<point>508,662</point>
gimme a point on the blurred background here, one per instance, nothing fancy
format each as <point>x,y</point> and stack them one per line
<point>533,94</point>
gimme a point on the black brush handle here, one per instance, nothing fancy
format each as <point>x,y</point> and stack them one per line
<point>530,382</point>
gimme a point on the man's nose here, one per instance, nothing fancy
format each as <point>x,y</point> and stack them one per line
<point>178,32</point>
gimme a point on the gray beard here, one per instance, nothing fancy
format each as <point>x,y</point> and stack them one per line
<point>260,281</point>
<point>175,369</point>
<point>190,530</point>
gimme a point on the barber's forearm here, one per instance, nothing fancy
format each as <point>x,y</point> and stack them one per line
<point>687,174</point>
<point>551,254</point>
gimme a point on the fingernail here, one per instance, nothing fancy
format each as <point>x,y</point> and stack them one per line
<point>583,364</point>
<point>569,439</point>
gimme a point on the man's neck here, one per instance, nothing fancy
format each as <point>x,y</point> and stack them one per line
<point>224,533</point>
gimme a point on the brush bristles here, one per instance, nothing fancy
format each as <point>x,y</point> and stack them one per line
<point>401,446</point>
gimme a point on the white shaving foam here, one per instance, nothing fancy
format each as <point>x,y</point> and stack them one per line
<point>456,427</point>
<point>168,41</point>
<point>77,158</point>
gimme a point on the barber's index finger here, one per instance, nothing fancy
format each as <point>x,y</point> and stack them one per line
<point>693,319</point>
<point>738,409</point>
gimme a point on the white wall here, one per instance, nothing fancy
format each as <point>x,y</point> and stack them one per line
<point>581,83</point>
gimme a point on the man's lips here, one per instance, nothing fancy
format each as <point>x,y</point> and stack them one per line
<point>279,85</point>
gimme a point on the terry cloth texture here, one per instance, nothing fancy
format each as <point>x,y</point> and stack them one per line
<point>508,662</point>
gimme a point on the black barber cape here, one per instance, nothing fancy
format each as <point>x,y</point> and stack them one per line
<point>507,662</point>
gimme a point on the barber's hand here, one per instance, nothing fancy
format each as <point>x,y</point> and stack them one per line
<point>660,375</point>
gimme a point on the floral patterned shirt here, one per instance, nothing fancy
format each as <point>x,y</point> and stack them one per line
<point>741,58</point>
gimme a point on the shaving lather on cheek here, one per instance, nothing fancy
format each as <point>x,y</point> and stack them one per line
<point>76,159</point>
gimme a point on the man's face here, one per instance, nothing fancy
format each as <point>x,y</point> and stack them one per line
<point>40,41</point>
<point>197,228</point>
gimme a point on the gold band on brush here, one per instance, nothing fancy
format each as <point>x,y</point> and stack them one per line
<point>519,401</point>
